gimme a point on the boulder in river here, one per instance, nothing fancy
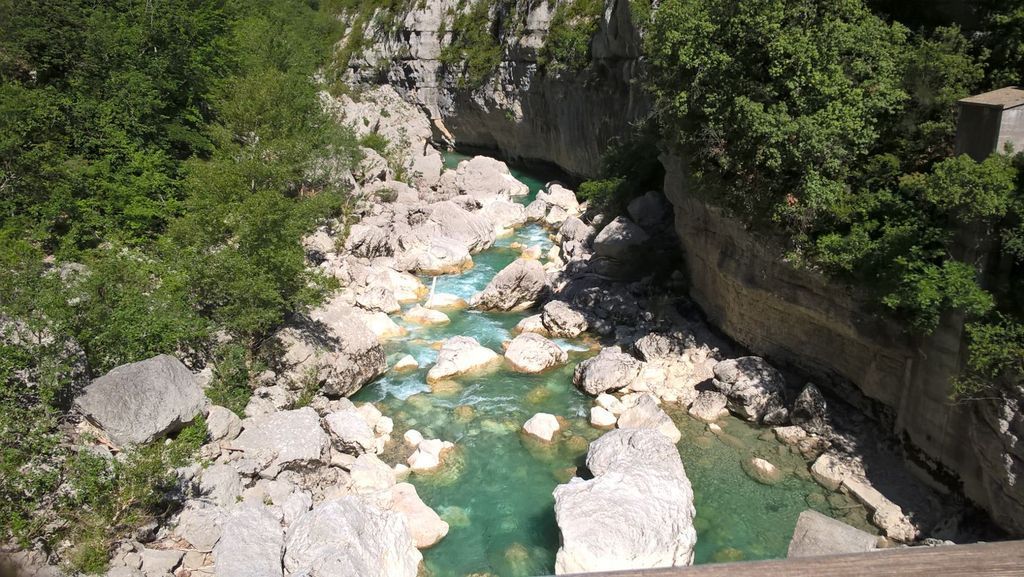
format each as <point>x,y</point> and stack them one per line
<point>335,346</point>
<point>516,287</point>
<point>709,406</point>
<point>532,353</point>
<point>810,410</point>
<point>140,402</point>
<point>558,195</point>
<point>636,513</point>
<point>424,316</point>
<point>351,536</point>
<point>610,370</point>
<point>542,426</point>
<point>561,320</point>
<point>817,535</point>
<point>461,355</point>
<point>426,527</point>
<point>755,389</point>
<point>473,230</point>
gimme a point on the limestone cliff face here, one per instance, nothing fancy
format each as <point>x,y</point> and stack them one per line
<point>522,111</point>
<point>826,330</point>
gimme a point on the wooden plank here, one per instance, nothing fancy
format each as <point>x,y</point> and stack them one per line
<point>990,559</point>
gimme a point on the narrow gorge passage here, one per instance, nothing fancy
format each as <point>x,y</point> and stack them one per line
<point>495,489</point>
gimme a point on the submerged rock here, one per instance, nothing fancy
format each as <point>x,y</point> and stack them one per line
<point>762,471</point>
<point>461,355</point>
<point>351,536</point>
<point>610,370</point>
<point>636,513</point>
<point>139,402</point>
<point>532,353</point>
<point>754,388</point>
<point>516,287</point>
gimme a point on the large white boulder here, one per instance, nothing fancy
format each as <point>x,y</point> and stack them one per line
<point>351,536</point>
<point>293,437</point>
<point>425,525</point>
<point>140,402</point>
<point>515,287</point>
<point>561,320</point>
<point>461,355</point>
<point>610,370</point>
<point>335,347</point>
<point>543,426</point>
<point>636,513</point>
<point>532,353</point>
<point>755,389</point>
<point>646,414</point>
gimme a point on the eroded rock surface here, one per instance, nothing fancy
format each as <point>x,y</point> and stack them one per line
<point>636,513</point>
<point>139,402</point>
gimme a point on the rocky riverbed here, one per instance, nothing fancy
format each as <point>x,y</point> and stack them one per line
<point>496,389</point>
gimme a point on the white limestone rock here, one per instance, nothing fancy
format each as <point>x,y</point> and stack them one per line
<point>646,414</point>
<point>602,418</point>
<point>755,390</point>
<point>459,356</point>
<point>542,426</point>
<point>351,536</point>
<point>292,437</point>
<point>424,316</point>
<point>532,353</point>
<point>709,406</point>
<point>636,513</point>
<point>425,525</point>
<point>610,370</point>
<point>251,543</point>
<point>222,424</point>
<point>561,320</point>
<point>516,287</point>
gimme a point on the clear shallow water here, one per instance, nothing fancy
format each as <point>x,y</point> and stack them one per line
<point>495,491</point>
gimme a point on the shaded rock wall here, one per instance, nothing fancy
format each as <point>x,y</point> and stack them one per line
<point>826,330</point>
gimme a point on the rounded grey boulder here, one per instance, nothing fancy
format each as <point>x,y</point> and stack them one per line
<point>140,402</point>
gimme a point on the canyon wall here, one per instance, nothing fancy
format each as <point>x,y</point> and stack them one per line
<point>521,111</point>
<point>827,331</point>
<point>795,318</point>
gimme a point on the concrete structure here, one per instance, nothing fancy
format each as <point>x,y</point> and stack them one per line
<point>990,121</point>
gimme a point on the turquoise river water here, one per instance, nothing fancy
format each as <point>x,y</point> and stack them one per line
<point>495,489</point>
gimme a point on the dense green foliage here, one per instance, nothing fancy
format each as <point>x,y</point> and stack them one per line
<point>158,166</point>
<point>573,24</point>
<point>829,124</point>
<point>629,168</point>
<point>474,46</point>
